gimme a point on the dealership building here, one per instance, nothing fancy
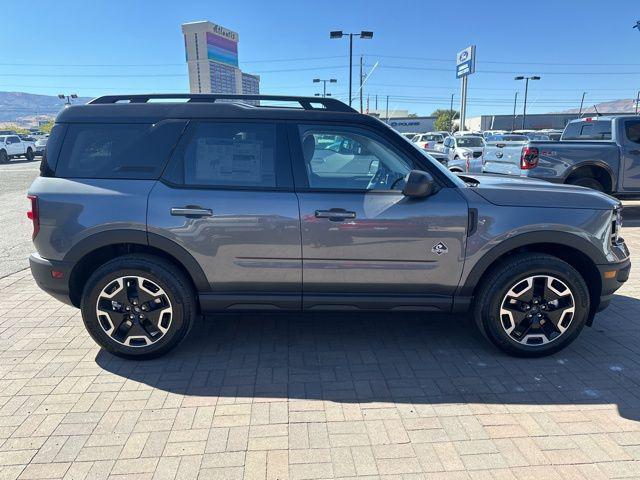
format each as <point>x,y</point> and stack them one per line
<point>535,121</point>
<point>212,59</point>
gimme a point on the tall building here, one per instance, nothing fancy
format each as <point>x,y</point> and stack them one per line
<point>212,59</point>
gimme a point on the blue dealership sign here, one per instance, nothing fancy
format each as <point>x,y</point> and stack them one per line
<point>466,62</point>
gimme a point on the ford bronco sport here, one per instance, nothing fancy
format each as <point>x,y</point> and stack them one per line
<point>151,210</point>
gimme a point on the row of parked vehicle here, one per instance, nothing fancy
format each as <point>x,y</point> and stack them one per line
<point>602,153</point>
<point>15,145</point>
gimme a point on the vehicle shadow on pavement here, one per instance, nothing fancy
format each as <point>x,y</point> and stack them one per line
<point>396,358</point>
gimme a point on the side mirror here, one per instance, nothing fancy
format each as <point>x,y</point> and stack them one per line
<point>418,184</point>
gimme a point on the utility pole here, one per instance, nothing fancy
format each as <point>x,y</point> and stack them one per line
<point>361,62</point>
<point>376,102</point>
<point>387,108</point>
<point>451,113</point>
<point>581,104</point>
<point>513,122</point>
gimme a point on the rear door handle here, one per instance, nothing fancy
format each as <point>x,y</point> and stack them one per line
<point>193,212</point>
<point>335,214</point>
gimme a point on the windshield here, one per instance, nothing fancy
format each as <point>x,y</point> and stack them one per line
<point>432,138</point>
<point>470,142</point>
<point>508,138</point>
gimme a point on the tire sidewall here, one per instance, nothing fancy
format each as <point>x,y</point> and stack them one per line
<point>4,158</point>
<point>490,314</point>
<point>105,275</point>
<point>591,183</point>
<point>30,155</point>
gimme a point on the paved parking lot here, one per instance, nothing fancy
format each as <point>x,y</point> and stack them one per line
<point>314,396</point>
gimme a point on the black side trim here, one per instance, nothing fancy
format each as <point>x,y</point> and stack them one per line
<point>548,237</point>
<point>212,302</point>
<point>430,303</point>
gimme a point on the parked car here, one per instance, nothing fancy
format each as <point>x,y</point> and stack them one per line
<point>428,141</point>
<point>464,153</point>
<point>409,135</point>
<point>602,153</point>
<point>12,146</point>
<point>502,154</point>
<point>491,133</point>
<point>148,214</point>
<point>40,145</point>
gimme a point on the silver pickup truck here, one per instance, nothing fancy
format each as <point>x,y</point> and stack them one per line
<point>602,153</point>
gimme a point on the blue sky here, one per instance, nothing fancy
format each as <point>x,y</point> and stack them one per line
<point>95,47</point>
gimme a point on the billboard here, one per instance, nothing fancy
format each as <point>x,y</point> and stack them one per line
<point>222,49</point>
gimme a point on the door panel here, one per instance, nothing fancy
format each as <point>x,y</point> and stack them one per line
<point>367,245</point>
<point>249,243</point>
<point>387,247</point>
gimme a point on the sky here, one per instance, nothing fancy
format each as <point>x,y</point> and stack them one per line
<point>95,47</point>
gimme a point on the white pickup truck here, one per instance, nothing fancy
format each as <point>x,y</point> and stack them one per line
<point>11,146</point>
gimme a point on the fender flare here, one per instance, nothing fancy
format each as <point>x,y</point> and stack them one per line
<point>140,237</point>
<point>468,285</point>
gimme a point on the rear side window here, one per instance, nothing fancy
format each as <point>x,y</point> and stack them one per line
<point>597,130</point>
<point>632,130</point>
<point>52,149</point>
<point>226,155</point>
<point>118,151</point>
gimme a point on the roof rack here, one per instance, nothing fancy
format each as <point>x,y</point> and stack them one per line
<point>307,103</point>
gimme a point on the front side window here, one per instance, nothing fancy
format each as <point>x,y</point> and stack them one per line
<point>354,160</point>
<point>632,130</point>
<point>228,155</point>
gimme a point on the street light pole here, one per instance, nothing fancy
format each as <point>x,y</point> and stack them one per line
<point>365,35</point>
<point>526,91</point>
<point>513,121</point>
<point>451,113</point>
<point>324,84</point>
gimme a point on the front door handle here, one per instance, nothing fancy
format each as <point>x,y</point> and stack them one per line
<point>335,214</point>
<point>189,211</point>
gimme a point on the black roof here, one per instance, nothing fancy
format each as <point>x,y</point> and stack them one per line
<point>156,107</point>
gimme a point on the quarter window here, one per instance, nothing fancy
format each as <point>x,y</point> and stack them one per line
<point>350,159</point>
<point>227,155</point>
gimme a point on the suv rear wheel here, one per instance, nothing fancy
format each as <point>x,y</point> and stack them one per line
<point>138,306</point>
<point>532,305</point>
<point>30,155</point>
<point>587,182</point>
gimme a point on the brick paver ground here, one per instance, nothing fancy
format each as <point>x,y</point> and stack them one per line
<point>316,396</point>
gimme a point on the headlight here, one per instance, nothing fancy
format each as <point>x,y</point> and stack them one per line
<point>616,225</point>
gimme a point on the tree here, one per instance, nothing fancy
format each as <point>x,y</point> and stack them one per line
<point>444,119</point>
<point>46,127</point>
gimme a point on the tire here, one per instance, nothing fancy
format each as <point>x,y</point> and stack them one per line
<point>4,158</point>
<point>113,318</point>
<point>30,155</point>
<point>510,283</point>
<point>588,182</point>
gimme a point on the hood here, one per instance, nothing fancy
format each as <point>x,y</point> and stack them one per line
<point>527,192</point>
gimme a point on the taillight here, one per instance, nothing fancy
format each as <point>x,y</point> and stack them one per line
<point>34,215</point>
<point>529,158</point>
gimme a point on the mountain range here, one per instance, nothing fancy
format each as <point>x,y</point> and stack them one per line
<point>626,105</point>
<point>27,108</point>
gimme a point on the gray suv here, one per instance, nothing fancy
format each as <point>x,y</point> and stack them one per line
<point>151,210</point>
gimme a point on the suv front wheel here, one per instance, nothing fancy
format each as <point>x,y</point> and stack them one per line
<point>138,306</point>
<point>532,305</point>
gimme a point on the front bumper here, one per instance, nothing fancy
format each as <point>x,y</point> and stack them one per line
<point>42,271</point>
<point>613,276</point>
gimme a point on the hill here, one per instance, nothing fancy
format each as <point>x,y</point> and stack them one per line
<point>627,105</point>
<point>27,108</point>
